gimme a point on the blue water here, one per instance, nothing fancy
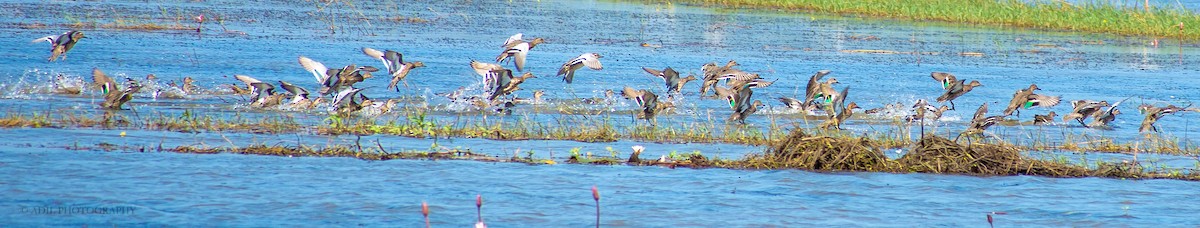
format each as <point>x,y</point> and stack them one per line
<point>99,168</point>
<point>240,190</point>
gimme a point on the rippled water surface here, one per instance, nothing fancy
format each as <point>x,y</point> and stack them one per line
<point>883,61</point>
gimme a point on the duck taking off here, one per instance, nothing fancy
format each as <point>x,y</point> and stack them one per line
<point>591,60</point>
<point>394,63</point>
<point>1026,98</point>
<point>517,50</point>
<point>647,102</point>
<point>114,95</point>
<point>954,87</point>
<point>61,44</point>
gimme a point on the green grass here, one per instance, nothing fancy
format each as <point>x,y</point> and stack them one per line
<point>1094,17</point>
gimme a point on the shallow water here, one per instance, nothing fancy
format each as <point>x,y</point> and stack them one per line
<point>240,190</point>
<point>263,39</point>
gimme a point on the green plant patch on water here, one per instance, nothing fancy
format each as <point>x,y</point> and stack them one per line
<point>1096,17</point>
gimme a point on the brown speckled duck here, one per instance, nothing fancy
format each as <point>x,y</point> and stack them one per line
<point>1048,118</point>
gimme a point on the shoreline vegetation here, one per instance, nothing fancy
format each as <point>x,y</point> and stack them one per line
<point>1089,16</point>
<point>413,123</point>
<point>798,150</point>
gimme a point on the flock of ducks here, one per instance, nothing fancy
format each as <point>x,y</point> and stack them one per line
<point>336,86</point>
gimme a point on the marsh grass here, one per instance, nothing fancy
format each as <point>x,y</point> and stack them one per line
<point>1088,16</point>
<point>933,154</point>
<point>798,150</point>
<point>122,21</point>
<point>342,16</point>
<point>414,123</point>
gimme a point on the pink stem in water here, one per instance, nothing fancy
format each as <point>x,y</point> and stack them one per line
<point>596,196</point>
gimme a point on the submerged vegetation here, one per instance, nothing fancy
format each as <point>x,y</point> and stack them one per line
<point>1096,17</point>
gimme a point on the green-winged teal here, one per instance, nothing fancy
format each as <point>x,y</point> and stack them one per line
<point>734,76</point>
<point>515,84</point>
<point>1153,113</point>
<point>820,92</point>
<point>954,87</point>
<point>319,71</point>
<point>346,77</point>
<point>591,60</point>
<point>922,110</point>
<point>497,81</point>
<point>518,51</point>
<point>394,63</point>
<point>347,101</point>
<point>793,103</point>
<point>237,90</point>
<point>264,95</point>
<point>247,80</point>
<point>839,112</point>
<point>299,94</point>
<point>1026,98</point>
<point>740,116</point>
<point>886,109</point>
<point>513,40</point>
<point>332,80</point>
<point>402,73</point>
<point>483,68</point>
<point>738,98</point>
<point>711,72</point>
<point>737,79</point>
<point>114,95</point>
<point>1044,119</point>
<point>946,79</point>
<point>61,44</point>
<point>537,98</point>
<point>980,122</point>
<point>188,86</point>
<point>1103,117</point>
<point>1082,109</point>
<point>647,103</point>
<point>63,85</point>
<point>677,86</point>
<point>670,78</point>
